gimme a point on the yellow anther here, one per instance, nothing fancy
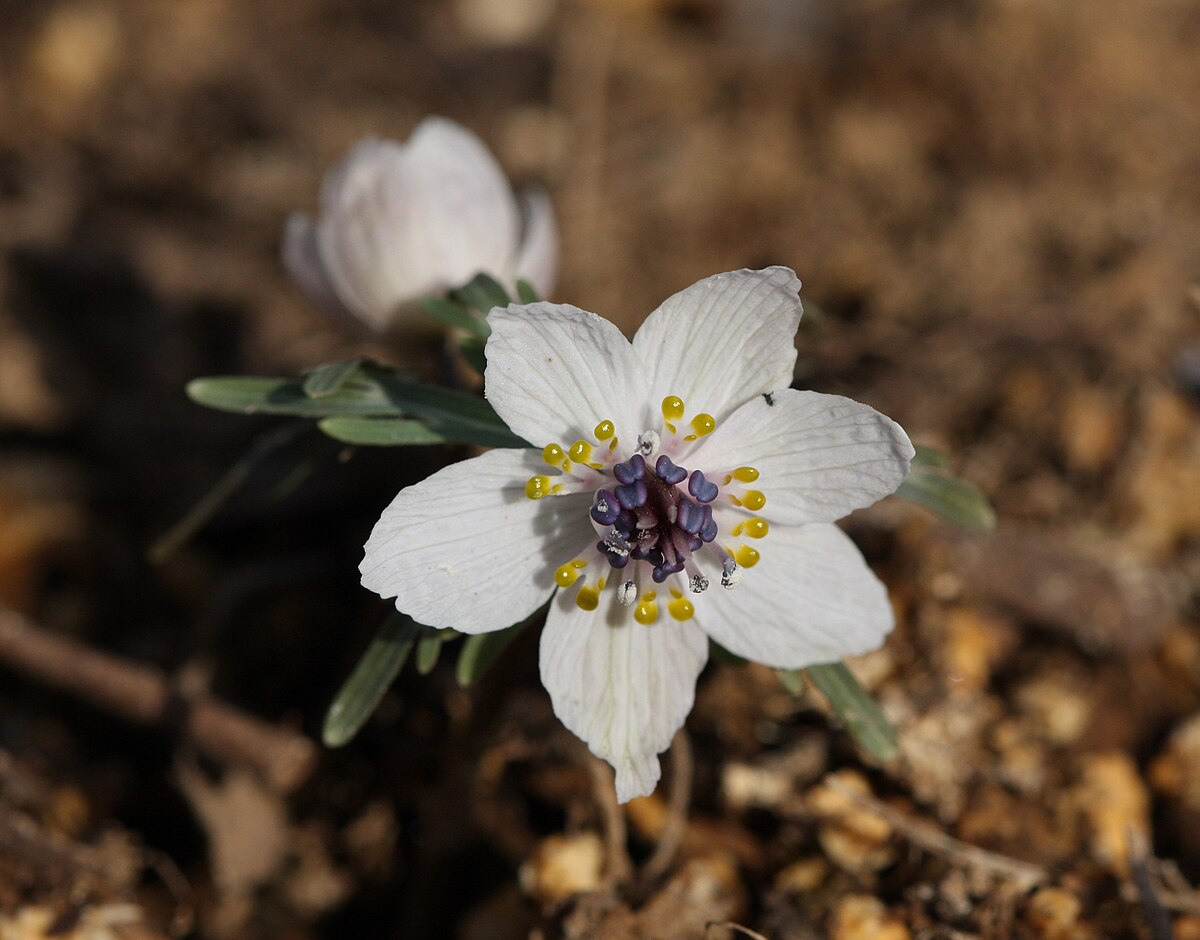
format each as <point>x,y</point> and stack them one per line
<point>743,475</point>
<point>580,451</point>
<point>537,487</point>
<point>647,609</point>
<point>554,455</point>
<point>702,424</point>
<point>604,430</point>
<point>681,608</point>
<point>579,563</point>
<point>738,529</point>
<point>588,597</point>
<point>752,500</point>
<point>672,408</point>
<point>756,528</point>
<point>568,574</point>
<point>746,556</point>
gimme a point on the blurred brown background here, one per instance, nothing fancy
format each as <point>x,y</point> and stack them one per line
<point>995,208</point>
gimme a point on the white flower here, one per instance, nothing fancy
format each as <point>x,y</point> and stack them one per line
<point>399,222</point>
<point>684,492</point>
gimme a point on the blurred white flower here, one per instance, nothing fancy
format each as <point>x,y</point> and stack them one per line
<point>675,469</point>
<point>402,221</point>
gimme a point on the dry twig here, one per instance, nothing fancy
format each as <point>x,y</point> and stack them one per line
<point>145,696</point>
<point>730,925</point>
<point>617,866</point>
<point>679,799</point>
<point>937,842</point>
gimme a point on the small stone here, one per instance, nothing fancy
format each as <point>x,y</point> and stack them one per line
<point>1091,430</point>
<point>563,865</point>
<point>862,917</point>
<point>974,646</point>
<point>1053,913</point>
<point>803,876</point>
<point>1113,801</point>
<point>853,838</point>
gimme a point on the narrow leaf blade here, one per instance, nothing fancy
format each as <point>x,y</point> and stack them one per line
<point>380,432</point>
<point>525,292</point>
<point>456,315</point>
<point>483,292</point>
<point>481,650</point>
<point>327,380</point>
<point>247,394</point>
<point>792,680</point>
<point>951,498</point>
<point>857,708</point>
<point>930,457</point>
<point>230,482</point>
<point>429,648</point>
<point>375,672</point>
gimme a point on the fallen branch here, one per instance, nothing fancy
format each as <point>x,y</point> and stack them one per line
<point>145,696</point>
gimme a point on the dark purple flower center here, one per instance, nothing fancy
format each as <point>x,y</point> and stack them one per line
<point>651,517</point>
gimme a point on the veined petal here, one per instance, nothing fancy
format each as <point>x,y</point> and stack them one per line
<point>810,599</point>
<point>622,687</point>
<point>819,456</point>
<point>464,213</point>
<point>554,372</point>
<point>401,221</point>
<point>724,340</point>
<point>465,548</point>
<point>363,234</point>
<point>537,258</point>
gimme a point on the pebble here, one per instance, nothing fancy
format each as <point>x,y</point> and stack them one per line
<point>563,865</point>
<point>862,917</point>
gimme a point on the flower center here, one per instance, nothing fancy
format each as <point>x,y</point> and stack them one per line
<point>655,518</point>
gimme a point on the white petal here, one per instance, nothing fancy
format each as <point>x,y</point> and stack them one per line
<point>810,599</point>
<point>465,213</point>
<point>467,549</point>
<point>402,221</point>
<point>364,233</point>
<point>819,457</point>
<point>303,262</point>
<point>537,261</point>
<point>724,340</point>
<point>623,687</point>
<point>554,372</point>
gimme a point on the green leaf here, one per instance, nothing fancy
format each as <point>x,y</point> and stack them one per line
<point>375,672</point>
<point>483,292</point>
<point>230,482</point>
<point>429,648</point>
<point>327,380</point>
<point>856,707</point>
<point>951,498</point>
<point>472,351</point>
<point>456,315</point>
<point>456,415</point>
<point>930,457</point>
<point>791,679</point>
<point>380,432</point>
<point>247,394</point>
<point>525,292</point>
<point>373,390</point>
<point>481,650</point>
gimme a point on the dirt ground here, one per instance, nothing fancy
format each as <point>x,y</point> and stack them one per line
<point>995,208</point>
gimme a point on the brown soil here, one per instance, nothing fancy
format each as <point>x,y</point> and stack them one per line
<point>995,208</point>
